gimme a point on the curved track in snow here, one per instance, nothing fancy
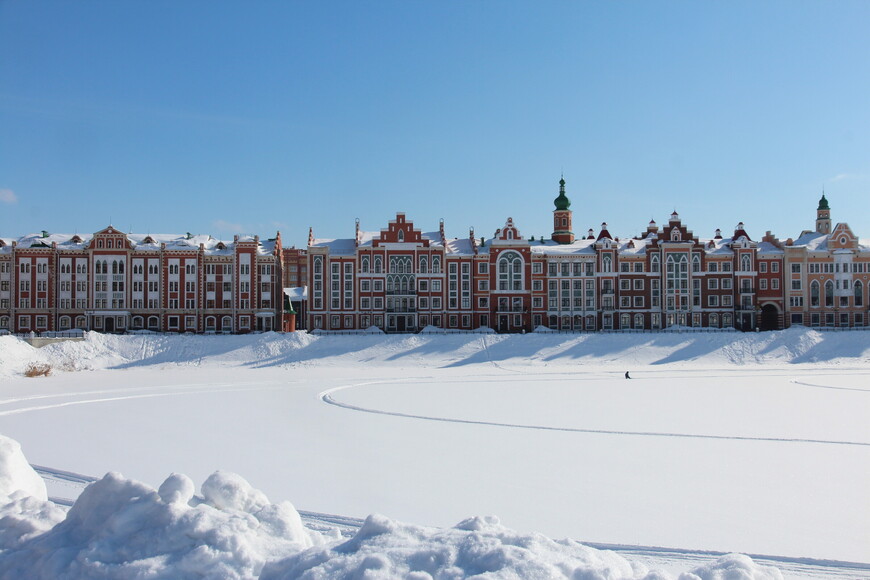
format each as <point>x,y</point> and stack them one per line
<point>327,397</point>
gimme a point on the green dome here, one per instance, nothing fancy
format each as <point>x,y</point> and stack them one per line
<point>562,202</point>
<point>823,203</point>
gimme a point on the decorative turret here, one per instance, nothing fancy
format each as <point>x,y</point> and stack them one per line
<point>562,233</point>
<point>823,216</point>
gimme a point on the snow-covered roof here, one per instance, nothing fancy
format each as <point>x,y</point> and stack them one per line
<point>581,246</point>
<point>812,241</point>
<point>140,242</point>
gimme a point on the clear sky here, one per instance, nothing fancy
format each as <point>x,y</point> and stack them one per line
<point>249,117</point>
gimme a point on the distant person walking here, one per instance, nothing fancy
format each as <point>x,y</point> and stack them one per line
<point>626,375</point>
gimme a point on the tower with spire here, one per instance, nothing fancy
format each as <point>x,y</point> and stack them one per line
<point>823,216</point>
<point>562,233</point>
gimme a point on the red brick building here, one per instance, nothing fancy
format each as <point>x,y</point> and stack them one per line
<point>401,279</point>
<point>114,282</point>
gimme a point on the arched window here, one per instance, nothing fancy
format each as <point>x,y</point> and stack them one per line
<point>401,235</point>
<point>114,267</point>
<point>424,264</point>
<point>745,263</point>
<point>638,320</point>
<point>365,264</point>
<point>4,322</point>
<point>714,321</point>
<point>696,263</point>
<point>675,235</point>
<point>64,322</point>
<point>859,293</point>
<point>829,293</point>
<point>227,324</point>
<point>814,293</point>
<point>510,271</point>
<point>120,267</point>
<point>379,265</point>
<point>436,265</point>
<point>607,264</point>
<point>318,265</point>
<point>210,323</point>
<point>139,323</point>
<point>655,265</point>
<point>80,322</point>
<point>509,234</point>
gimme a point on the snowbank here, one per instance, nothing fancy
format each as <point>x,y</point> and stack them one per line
<point>431,349</point>
<point>481,547</point>
<point>120,529</point>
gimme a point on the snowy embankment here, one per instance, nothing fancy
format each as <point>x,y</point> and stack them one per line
<point>119,529</point>
<point>710,350</point>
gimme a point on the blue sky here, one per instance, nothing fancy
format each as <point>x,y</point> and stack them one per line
<point>249,117</point>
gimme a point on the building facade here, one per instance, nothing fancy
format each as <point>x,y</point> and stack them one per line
<point>112,281</point>
<point>401,279</point>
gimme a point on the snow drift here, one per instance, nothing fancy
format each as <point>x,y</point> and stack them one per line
<point>713,349</point>
<point>120,529</point>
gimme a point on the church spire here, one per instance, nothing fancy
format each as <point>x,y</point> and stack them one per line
<point>562,217</point>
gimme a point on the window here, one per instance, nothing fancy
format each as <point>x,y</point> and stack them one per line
<point>655,266</point>
<point>774,266</point>
<point>858,290</point>
<point>483,268</point>
<point>795,268</point>
<point>829,293</point>
<point>638,284</point>
<point>510,271</point>
<point>762,267</point>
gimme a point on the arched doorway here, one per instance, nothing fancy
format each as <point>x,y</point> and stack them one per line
<point>769,317</point>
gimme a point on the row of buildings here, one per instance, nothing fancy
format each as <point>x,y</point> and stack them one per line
<point>401,279</point>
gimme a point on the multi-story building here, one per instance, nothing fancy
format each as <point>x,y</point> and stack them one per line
<point>401,279</point>
<point>113,282</point>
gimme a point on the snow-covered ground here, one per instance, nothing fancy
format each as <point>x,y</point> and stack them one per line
<point>721,442</point>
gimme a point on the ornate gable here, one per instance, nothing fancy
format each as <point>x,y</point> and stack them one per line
<point>842,238</point>
<point>400,231</point>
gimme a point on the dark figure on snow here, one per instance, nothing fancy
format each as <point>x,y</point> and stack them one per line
<point>626,375</point>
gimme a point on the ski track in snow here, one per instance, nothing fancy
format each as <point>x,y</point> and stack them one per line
<point>327,397</point>
<point>651,556</point>
<point>188,390</point>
